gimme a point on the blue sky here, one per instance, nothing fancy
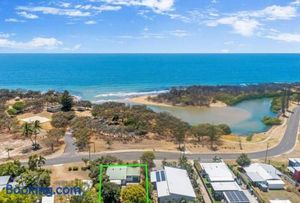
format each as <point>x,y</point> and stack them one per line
<point>150,26</point>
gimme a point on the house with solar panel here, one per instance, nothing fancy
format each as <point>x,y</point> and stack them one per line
<point>122,175</point>
<point>222,183</point>
<point>172,185</point>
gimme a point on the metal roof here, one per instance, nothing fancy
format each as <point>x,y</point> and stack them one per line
<point>172,181</point>
<point>179,182</point>
<point>225,186</point>
<point>121,172</point>
<point>4,180</point>
<point>116,173</point>
<point>258,172</point>
<point>217,172</point>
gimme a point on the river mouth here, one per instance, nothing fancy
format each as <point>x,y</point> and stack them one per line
<point>243,118</point>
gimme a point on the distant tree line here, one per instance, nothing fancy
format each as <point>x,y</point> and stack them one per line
<point>229,94</point>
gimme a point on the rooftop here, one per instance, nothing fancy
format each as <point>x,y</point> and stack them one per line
<point>295,160</point>
<point>172,181</point>
<point>236,197</point>
<point>258,172</point>
<point>218,172</point>
<point>225,186</point>
<point>120,172</point>
<point>4,180</point>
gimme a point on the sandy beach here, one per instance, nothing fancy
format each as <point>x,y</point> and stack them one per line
<point>144,100</point>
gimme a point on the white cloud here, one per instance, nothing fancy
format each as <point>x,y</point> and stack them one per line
<point>158,6</point>
<point>179,33</point>
<point>35,43</point>
<point>286,37</point>
<point>55,11</point>
<point>90,22</point>
<point>27,15</point>
<point>6,35</point>
<point>273,12</point>
<point>245,27</point>
<point>106,8</point>
<point>13,20</point>
<point>65,4</point>
<point>296,2</point>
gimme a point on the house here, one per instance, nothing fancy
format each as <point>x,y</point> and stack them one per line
<point>172,185</point>
<point>223,183</point>
<point>4,180</point>
<point>294,168</point>
<point>264,176</point>
<point>122,175</point>
<point>217,172</point>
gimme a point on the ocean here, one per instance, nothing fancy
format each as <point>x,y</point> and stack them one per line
<point>104,77</point>
<point>115,76</point>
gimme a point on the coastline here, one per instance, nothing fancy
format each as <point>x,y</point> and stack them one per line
<point>144,100</point>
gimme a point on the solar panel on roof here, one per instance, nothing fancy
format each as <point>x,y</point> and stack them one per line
<point>157,176</point>
<point>236,197</point>
<point>163,176</point>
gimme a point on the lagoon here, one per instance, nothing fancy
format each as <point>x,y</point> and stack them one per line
<point>243,118</point>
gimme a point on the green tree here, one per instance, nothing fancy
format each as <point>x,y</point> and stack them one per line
<point>12,168</point>
<point>200,131</point>
<point>133,193</point>
<point>19,106</point>
<point>36,162</point>
<point>148,158</point>
<point>213,135</point>
<point>16,198</point>
<point>111,192</point>
<point>66,101</point>
<point>39,178</point>
<point>53,137</point>
<point>243,160</point>
<point>36,129</point>
<point>27,131</point>
<point>283,106</point>
<point>88,196</point>
<point>225,129</point>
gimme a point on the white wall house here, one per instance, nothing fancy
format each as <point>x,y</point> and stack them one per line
<point>264,175</point>
<point>172,184</point>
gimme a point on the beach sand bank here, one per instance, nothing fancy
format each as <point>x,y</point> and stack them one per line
<point>144,100</point>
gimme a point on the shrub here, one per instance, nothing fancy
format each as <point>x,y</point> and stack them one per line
<point>12,111</point>
<point>19,106</point>
<point>267,120</point>
<point>75,168</point>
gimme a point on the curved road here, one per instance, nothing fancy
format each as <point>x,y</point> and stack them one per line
<point>287,143</point>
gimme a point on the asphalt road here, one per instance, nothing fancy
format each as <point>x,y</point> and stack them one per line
<point>287,143</point>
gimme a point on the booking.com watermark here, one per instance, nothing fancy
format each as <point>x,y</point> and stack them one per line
<point>44,191</point>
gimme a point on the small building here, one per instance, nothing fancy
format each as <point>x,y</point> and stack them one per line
<point>122,175</point>
<point>4,180</point>
<point>264,175</point>
<point>172,185</point>
<point>217,172</point>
